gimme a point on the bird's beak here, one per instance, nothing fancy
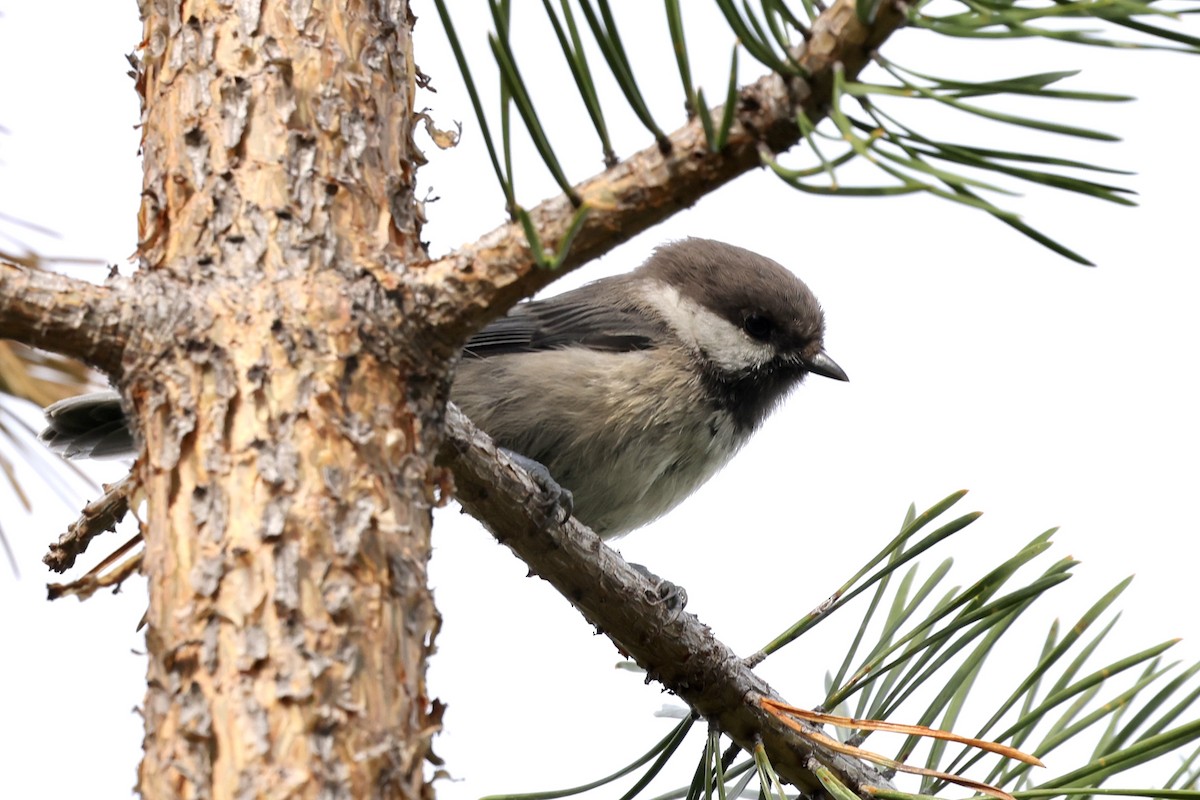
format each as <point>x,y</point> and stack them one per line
<point>826,367</point>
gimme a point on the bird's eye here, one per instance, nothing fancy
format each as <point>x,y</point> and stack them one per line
<point>757,326</point>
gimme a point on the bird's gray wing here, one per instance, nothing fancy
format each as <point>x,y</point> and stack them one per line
<point>88,426</point>
<point>585,317</point>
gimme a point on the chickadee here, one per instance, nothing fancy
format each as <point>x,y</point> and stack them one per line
<point>632,390</point>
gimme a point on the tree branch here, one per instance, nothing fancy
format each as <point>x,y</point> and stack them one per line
<point>63,315</point>
<point>98,516</point>
<point>674,647</point>
<point>497,270</point>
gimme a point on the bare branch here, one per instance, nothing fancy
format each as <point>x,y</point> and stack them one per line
<point>85,587</point>
<point>497,270</point>
<point>674,647</point>
<point>98,516</point>
<point>62,315</point>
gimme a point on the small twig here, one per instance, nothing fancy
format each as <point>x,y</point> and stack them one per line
<point>98,516</point>
<point>85,587</point>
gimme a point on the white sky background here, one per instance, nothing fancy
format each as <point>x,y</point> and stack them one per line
<point>1060,395</point>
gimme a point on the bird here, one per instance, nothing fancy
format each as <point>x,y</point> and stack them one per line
<point>630,391</point>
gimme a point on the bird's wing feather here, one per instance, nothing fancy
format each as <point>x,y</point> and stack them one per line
<point>88,426</point>
<point>580,318</point>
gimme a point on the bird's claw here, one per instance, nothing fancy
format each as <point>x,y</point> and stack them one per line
<point>556,501</point>
<point>671,595</point>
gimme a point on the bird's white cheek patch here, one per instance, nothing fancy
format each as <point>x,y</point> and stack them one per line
<point>723,343</point>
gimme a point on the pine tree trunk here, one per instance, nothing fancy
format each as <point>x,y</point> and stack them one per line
<point>288,414</point>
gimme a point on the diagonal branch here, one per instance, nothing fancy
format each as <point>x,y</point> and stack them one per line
<point>63,315</point>
<point>674,647</point>
<point>98,516</point>
<point>496,271</point>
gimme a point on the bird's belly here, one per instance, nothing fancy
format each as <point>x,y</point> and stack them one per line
<point>627,437</point>
<point>626,482</point>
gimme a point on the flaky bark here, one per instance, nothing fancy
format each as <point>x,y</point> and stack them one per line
<point>286,408</point>
<point>54,312</point>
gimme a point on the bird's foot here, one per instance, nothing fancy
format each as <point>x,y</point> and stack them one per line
<point>557,502</point>
<point>672,595</point>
